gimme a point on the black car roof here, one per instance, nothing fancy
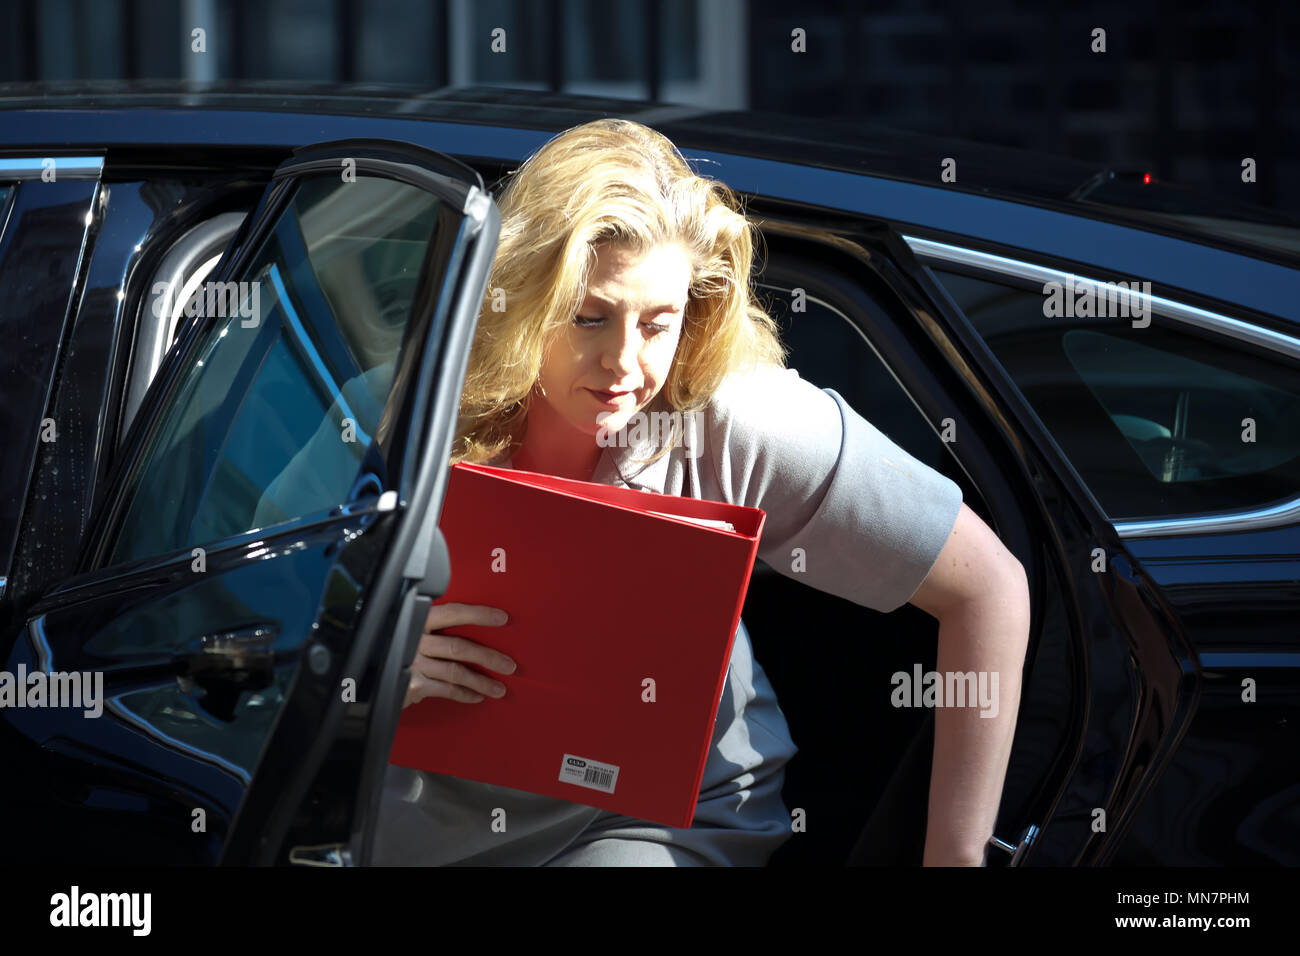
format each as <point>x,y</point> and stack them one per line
<point>856,147</point>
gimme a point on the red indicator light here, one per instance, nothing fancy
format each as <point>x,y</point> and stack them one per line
<point>1146,179</point>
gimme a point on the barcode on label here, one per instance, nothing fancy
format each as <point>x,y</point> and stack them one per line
<point>601,778</point>
<point>585,772</point>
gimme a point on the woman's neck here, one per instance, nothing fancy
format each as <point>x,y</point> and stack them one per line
<point>555,448</point>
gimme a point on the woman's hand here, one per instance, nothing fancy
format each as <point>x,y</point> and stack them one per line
<point>437,671</point>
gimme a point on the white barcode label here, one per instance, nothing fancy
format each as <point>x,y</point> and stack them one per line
<point>592,774</point>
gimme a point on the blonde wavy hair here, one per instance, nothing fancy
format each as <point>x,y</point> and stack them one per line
<point>619,181</point>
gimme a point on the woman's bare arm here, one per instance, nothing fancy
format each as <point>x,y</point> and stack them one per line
<point>979,593</point>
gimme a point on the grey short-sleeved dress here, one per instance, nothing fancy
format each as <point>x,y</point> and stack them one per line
<point>871,520</point>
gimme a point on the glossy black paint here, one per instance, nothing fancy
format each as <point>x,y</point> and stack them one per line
<point>40,259</point>
<point>162,758</point>
<point>1132,696</point>
<point>1138,670</point>
<point>1082,188</point>
<point>1230,793</point>
<point>1169,257</point>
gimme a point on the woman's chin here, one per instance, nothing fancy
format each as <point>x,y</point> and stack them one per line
<point>610,422</point>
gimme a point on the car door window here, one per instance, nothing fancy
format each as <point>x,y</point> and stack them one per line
<point>278,415</point>
<point>1161,420</point>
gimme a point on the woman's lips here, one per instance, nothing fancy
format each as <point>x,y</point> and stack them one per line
<point>610,399</point>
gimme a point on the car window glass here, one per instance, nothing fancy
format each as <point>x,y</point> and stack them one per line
<point>1161,420</point>
<point>278,415</point>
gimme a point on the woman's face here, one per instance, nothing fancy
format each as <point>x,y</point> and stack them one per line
<point>622,339</point>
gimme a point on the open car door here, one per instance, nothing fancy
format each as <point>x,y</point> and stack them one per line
<point>258,574</point>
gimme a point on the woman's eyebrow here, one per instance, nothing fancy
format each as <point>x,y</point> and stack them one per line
<point>653,310</point>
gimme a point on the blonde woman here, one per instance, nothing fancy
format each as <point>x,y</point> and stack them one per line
<point>625,279</point>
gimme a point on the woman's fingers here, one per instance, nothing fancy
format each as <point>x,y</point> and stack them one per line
<point>452,672</point>
<point>452,615</point>
<point>451,647</point>
<point>438,671</point>
<point>421,687</point>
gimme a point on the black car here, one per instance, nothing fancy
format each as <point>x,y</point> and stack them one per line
<point>1106,366</point>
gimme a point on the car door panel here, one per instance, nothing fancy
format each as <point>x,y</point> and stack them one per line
<point>1154,426</point>
<point>1138,684</point>
<point>877,355</point>
<point>1105,687</point>
<point>234,654</point>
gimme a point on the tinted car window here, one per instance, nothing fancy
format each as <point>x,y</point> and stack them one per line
<point>1160,421</point>
<point>285,398</point>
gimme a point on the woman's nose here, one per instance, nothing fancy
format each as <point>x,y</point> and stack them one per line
<point>621,350</point>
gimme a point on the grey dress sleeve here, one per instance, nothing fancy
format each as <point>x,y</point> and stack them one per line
<point>870,518</point>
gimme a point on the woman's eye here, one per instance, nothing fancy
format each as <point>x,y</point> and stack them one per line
<point>587,322</point>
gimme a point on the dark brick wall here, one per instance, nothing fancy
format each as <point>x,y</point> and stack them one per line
<point>1185,89</point>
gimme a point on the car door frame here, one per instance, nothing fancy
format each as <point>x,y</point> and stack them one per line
<point>1151,651</point>
<point>415,567</point>
<point>21,173</point>
<point>1157,549</point>
<point>844,261</point>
